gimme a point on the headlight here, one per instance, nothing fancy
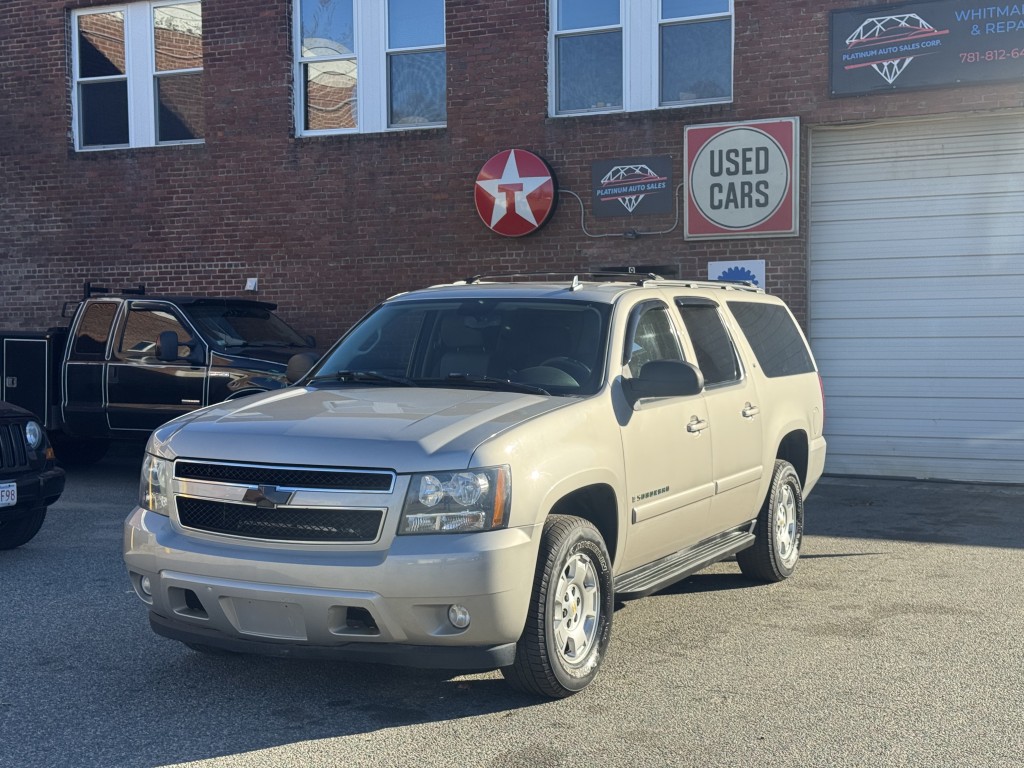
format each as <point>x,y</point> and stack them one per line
<point>34,435</point>
<point>155,485</point>
<point>457,502</point>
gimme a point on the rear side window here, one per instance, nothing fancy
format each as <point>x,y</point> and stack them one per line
<point>774,337</point>
<point>94,330</point>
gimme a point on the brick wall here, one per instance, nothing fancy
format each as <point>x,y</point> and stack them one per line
<point>330,225</point>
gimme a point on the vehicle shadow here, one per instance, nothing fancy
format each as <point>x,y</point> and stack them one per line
<point>910,510</point>
<point>236,705</point>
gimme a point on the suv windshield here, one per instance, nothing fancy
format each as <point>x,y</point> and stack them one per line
<point>244,326</point>
<point>544,346</point>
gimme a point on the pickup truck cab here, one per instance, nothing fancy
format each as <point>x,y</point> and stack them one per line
<point>475,472</point>
<point>128,363</point>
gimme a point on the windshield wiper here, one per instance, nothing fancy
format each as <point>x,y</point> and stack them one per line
<point>364,377</point>
<point>490,381</point>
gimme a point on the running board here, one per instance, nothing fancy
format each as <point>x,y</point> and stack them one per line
<point>649,578</point>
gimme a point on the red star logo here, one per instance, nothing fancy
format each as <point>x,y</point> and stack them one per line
<point>515,193</point>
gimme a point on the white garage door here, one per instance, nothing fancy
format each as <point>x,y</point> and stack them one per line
<point>917,297</point>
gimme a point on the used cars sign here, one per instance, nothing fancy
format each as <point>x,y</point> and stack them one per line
<point>742,179</point>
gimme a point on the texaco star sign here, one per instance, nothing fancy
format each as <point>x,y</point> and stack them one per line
<point>515,193</point>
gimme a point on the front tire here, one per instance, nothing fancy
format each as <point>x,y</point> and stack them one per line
<point>779,529</point>
<point>20,531</point>
<point>569,622</point>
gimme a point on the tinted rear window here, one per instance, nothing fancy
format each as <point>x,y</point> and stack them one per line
<point>774,337</point>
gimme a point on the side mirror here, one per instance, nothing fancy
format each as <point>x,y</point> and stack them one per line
<point>168,347</point>
<point>196,352</point>
<point>310,340</point>
<point>299,365</point>
<point>664,378</point>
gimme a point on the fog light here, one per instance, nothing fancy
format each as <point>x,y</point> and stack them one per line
<point>146,586</point>
<point>458,615</point>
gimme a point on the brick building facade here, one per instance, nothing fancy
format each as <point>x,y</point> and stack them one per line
<point>330,224</point>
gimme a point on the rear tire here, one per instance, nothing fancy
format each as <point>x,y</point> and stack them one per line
<point>14,533</point>
<point>569,622</point>
<point>779,529</point>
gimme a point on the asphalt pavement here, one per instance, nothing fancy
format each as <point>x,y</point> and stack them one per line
<point>898,642</point>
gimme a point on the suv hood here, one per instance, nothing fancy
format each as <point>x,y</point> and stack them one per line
<point>400,428</point>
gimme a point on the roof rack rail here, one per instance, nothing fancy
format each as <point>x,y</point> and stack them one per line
<point>736,285</point>
<point>636,278</point>
<point>69,308</point>
<point>626,277</point>
<point>89,290</point>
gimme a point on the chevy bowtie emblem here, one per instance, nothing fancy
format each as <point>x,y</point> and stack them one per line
<point>268,496</point>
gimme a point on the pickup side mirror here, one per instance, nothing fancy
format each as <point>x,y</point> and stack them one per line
<point>168,347</point>
<point>664,378</point>
<point>169,344</point>
<point>299,365</point>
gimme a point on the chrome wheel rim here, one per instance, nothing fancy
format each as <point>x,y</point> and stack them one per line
<point>787,538</point>
<point>577,609</point>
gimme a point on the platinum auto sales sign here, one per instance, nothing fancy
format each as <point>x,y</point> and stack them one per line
<point>742,179</point>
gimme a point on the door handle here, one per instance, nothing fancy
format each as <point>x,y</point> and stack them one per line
<point>697,425</point>
<point>750,411</point>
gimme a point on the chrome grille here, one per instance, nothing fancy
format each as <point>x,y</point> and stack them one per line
<point>354,480</point>
<point>280,523</point>
<point>282,503</point>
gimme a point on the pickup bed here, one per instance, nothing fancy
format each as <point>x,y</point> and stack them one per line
<point>126,364</point>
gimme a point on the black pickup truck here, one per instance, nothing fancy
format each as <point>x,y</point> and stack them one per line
<point>127,363</point>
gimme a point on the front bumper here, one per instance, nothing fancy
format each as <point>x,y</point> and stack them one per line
<point>381,605</point>
<point>422,656</point>
<point>35,491</point>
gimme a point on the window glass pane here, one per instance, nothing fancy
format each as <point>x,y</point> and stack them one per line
<point>178,36</point>
<point>696,61</point>
<point>233,326</point>
<point>104,111</point>
<point>327,28</point>
<point>179,107</point>
<point>415,23</point>
<point>654,339</point>
<point>716,356</point>
<point>101,44</point>
<point>417,88</point>
<point>331,95</point>
<point>678,9</point>
<point>141,337</point>
<point>94,329</point>
<point>777,344</point>
<point>583,14</point>
<point>590,72</point>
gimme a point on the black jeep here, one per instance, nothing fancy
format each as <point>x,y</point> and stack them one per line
<point>30,481</point>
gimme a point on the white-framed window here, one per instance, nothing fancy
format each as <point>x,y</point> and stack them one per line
<point>365,66</point>
<point>633,55</point>
<point>137,74</point>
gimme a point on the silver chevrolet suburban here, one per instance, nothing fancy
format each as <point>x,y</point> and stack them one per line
<point>474,472</point>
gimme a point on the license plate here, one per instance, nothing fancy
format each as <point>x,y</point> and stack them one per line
<point>8,494</point>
